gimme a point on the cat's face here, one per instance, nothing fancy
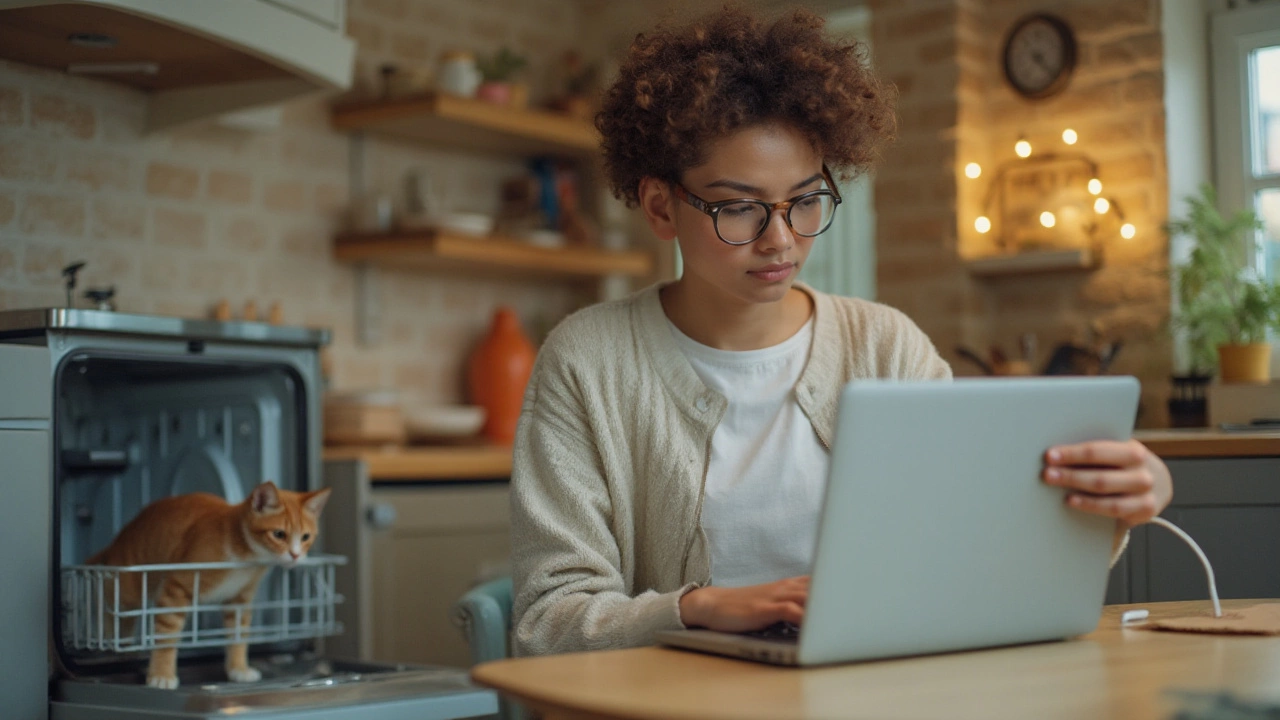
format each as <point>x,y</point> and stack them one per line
<point>281,524</point>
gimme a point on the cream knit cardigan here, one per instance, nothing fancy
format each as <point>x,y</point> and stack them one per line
<point>611,454</point>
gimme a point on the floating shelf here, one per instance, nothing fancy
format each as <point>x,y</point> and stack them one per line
<point>431,250</point>
<point>469,124</point>
<point>1027,263</point>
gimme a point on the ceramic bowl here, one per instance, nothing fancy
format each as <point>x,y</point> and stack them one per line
<point>442,421</point>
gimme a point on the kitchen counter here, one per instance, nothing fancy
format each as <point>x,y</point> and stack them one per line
<point>1210,443</point>
<point>486,462</point>
<point>463,462</point>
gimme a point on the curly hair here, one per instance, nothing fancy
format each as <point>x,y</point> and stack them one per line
<point>680,88</point>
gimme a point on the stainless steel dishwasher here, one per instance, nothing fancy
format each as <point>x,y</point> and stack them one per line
<point>101,413</point>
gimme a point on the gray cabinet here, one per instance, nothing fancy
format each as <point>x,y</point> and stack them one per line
<point>414,548</point>
<point>1231,506</point>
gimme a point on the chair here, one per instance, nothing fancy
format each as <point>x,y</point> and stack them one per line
<point>484,616</point>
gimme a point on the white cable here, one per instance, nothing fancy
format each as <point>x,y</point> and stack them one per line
<point>1208,569</point>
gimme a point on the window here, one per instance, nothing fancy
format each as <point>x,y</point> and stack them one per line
<point>1246,72</point>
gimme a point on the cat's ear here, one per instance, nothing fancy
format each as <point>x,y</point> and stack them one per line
<point>265,499</point>
<point>315,502</point>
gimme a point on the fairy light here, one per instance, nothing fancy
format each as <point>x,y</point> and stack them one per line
<point>1127,231</point>
<point>1095,186</point>
<point>1101,206</point>
<point>1023,148</point>
<point>982,224</point>
<point>1047,219</point>
<point>1069,136</point>
<point>972,170</point>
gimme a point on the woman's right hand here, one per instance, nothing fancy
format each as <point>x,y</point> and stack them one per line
<point>748,608</point>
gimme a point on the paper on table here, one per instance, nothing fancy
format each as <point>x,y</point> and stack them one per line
<point>1252,620</point>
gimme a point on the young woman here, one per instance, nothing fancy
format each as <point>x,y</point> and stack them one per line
<point>673,446</point>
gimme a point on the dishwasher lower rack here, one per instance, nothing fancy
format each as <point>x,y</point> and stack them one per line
<point>292,603</point>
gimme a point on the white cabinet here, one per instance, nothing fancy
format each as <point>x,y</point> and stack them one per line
<point>194,59</point>
<point>331,13</point>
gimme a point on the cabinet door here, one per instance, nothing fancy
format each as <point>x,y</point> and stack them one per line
<point>26,384</point>
<point>24,556</point>
<point>1231,507</point>
<point>446,539</point>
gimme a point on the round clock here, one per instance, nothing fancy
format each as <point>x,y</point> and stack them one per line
<point>1039,55</point>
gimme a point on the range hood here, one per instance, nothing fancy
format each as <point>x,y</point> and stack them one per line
<point>194,59</point>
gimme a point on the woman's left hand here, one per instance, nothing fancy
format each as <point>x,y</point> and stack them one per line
<point>1122,480</point>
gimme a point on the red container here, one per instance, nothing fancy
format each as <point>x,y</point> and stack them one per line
<point>497,374</point>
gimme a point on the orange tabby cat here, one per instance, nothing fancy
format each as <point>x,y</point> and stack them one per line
<point>272,525</point>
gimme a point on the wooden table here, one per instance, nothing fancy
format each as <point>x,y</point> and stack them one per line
<point>1109,673</point>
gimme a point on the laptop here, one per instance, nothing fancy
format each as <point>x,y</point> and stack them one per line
<point>936,532</point>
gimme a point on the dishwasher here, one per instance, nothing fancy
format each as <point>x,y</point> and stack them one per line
<point>102,413</point>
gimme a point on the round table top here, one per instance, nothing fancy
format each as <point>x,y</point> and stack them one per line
<point>1113,671</point>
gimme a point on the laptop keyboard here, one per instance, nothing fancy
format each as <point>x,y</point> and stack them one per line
<point>784,631</point>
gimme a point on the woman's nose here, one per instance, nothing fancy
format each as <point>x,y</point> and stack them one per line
<point>777,235</point>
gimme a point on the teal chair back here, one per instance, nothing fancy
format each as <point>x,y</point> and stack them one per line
<point>484,616</point>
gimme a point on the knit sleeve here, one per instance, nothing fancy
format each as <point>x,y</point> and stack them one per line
<point>570,594</point>
<point>914,356</point>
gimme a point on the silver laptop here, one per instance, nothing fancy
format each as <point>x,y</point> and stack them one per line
<point>937,533</point>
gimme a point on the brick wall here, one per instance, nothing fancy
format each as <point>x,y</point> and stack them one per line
<point>955,108</point>
<point>179,220</point>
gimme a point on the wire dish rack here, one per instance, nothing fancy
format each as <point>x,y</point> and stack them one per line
<point>292,603</point>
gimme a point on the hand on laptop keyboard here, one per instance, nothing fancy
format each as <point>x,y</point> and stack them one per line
<point>740,609</point>
<point>778,631</point>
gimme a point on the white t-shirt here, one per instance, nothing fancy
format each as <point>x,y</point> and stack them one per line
<point>767,470</point>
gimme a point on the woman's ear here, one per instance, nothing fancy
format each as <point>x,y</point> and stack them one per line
<point>659,206</point>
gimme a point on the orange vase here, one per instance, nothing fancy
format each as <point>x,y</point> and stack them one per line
<point>497,373</point>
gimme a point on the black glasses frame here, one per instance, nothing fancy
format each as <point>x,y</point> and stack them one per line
<point>713,208</point>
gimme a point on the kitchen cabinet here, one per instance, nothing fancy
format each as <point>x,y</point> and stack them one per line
<point>194,60</point>
<point>1227,497</point>
<point>426,526</point>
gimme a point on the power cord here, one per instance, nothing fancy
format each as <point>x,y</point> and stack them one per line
<point>1208,569</point>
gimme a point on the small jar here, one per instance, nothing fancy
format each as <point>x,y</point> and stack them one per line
<point>458,74</point>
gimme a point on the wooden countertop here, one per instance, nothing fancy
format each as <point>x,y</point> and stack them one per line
<point>462,462</point>
<point>1209,442</point>
<point>1112,672</point>
<point>485,462</point>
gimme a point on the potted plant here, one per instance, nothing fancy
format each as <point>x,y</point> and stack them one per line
<point>497,71</point>
<point>1224,306</point>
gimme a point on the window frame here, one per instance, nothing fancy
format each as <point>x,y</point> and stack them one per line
<point>1235,35</point>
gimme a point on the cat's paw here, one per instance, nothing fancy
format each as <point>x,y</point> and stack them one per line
<point>164,683</point>
<point>243,675</point>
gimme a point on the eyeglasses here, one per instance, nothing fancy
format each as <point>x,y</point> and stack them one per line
<point>739,222</point>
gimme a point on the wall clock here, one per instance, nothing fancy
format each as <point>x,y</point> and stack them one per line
<point>1039,56</point>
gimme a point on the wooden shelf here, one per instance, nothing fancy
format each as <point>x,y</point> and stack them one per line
<point>472,125</point>
<point>1209,442</point>
<point>1027,263</point>
<point>469,462</point>
<point>432,250</point>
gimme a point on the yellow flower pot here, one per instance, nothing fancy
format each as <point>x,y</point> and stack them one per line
<point>1245,363</point>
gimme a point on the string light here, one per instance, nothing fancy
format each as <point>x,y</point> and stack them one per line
<point>1069,136</point>
<point>972,170</point>
<point>1023,148</point>
<point>1101,206</point>
<point>1095,186</point>
<point>1127,231</point>
<point>982,224</point>
<point>1047,219</point>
